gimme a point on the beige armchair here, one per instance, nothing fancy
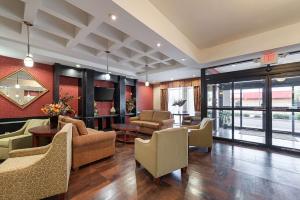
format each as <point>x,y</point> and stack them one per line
<point>201,135</point>
<point>20,139</point>
<point>36,173</point>
<point>167,151</point>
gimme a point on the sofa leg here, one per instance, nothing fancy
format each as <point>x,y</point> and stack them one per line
<point>183,170</point>
<point>137,164</point>
<point>209,149</point>
<point>75,169</point>
<point>157,180</point>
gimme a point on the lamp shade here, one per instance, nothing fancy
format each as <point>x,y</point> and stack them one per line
<point>28,61</point>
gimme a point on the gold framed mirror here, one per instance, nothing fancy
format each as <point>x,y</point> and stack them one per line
<point>21,88</point>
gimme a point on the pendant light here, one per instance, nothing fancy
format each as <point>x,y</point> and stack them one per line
<point>107,75</point>
<point>147,82</point>
<point>28,60</point>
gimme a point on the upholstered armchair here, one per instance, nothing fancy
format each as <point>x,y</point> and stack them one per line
<point>166,151</point>
<point>201,135</point>
<point>37,173</point>
<point>19,139</point>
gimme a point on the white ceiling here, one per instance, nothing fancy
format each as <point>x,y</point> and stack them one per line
<point>211,22</point>
<point>192,33</point>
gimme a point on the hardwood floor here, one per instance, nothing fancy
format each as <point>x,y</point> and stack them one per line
<point>229,172</point>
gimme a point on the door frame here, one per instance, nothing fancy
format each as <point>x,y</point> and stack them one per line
<point>284,70</point>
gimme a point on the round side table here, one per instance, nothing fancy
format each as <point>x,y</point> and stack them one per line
<point>126,132</point>
<point>41,131</point>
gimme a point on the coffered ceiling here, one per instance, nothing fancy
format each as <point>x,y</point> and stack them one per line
<point>79,32</point>
<point>192,34</point>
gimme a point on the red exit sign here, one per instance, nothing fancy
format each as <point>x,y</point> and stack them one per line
<point>269,58</point>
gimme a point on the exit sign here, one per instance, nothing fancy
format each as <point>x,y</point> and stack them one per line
<point>269,58</point>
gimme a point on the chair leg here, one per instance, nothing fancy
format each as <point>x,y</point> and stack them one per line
<point>183,170</point>
<point>137,164</point>
<point>209,149</point>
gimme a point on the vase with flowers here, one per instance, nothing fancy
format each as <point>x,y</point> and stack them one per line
<point>53,111</point>
<point>130,105</point>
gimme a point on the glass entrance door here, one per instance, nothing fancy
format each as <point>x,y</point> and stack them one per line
<point>286,112</point>
<point>250,111</point>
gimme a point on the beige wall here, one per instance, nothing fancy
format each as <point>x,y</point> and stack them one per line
<point>156,97</point>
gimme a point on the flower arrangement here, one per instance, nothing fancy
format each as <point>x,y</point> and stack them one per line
<point>130,105</point>
<point>53,109</point>
<point>179,102</point>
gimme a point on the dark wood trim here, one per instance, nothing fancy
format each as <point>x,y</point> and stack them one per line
<point>88,97</point>
<point>120,99</point>
<point>203,94</point>
<point>279,70</point>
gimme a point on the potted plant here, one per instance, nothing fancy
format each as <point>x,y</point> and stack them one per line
<point>130,105</point>
<point>65,102</point>
<point>179,103</point>
<point>225,118</point>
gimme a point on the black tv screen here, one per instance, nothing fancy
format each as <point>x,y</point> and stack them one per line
<point>104,94</point>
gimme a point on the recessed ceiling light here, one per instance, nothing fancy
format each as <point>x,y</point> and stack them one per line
<point>233,65</point>
<point>172,79</point>
<point>194,75</point>
<point>113,17</point>
<point>78,66</point>
<point>183,59</point>
<point>158,44</point>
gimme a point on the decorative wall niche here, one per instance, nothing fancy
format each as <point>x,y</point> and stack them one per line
<point>21,88</point>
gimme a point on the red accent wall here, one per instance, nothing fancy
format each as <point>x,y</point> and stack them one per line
<point>145,97</point>
<point>69,85</point>
<point>42,72</point>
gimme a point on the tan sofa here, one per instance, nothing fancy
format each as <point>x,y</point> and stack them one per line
<point>37,173</point>
<point>201,135</point>
<point>150,121</point>
<point>89,144</point>
<point>167,151</point>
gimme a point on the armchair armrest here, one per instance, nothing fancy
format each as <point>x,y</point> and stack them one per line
<point>20,142</point>
<point>134,118</point>
<point>142,149</point>
<point>11,134</point>
<point>193,127</point>
<point>166,123</point>
<point>93,138</point>
<point>29,152</point>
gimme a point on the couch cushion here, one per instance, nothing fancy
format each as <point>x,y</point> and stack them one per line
<point>158,116</point>
<point>75,133</point>
<point>146,115</point>
<point>139,123</point>
<point>153,125</point>
<point>81,128</point>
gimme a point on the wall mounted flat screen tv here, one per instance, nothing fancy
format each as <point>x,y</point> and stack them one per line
<point>104,94</point>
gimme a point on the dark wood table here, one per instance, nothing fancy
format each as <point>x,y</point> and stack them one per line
<point>180,114</point>
<point>41,131</point>
<point>126,132</point>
